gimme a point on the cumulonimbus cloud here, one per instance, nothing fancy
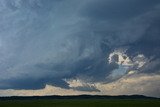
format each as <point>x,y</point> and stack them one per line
<point>45,42</point>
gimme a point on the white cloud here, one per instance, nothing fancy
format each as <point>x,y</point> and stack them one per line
<point>130,84</point>
<point>48,90</point>
<point>122,58</point>
<point>133,84</point>
<point>126,64</point>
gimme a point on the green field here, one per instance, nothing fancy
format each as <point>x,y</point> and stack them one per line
<point>81,103</point>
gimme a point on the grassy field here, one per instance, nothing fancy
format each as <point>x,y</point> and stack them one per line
<point>81,103</point>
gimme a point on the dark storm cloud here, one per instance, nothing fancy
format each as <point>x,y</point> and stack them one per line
<point>46,41</point>
<point>149,40</point>
<point>96,69</point>
<point>117,9</point>
<point>142,34</point>
<point>86,88</point>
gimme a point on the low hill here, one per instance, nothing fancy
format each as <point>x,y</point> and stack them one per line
<point>77,97</point>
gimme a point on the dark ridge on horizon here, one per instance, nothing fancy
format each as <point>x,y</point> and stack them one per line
<point>77,97</point>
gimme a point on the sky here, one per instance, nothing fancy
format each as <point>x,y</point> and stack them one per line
<point>73,47</point>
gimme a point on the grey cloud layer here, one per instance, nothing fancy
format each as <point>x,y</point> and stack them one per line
<point>46,41</point>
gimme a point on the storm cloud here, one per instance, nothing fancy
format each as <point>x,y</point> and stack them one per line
<point>46,42</point>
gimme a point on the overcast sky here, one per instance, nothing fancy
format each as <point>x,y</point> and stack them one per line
<point>70,47</point>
